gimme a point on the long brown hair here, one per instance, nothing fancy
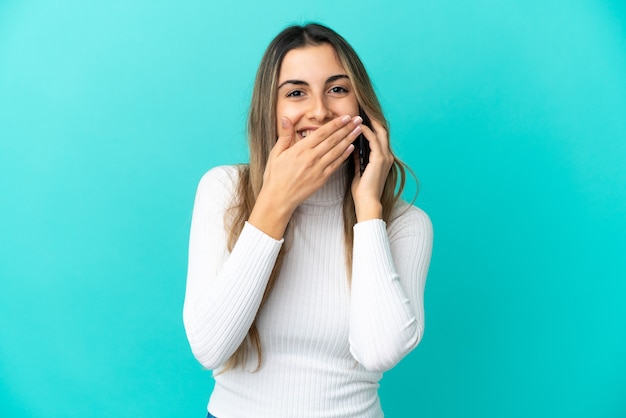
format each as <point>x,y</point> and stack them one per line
<point>262,135</point>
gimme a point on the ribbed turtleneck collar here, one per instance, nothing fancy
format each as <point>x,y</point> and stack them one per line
<point>330,194</point>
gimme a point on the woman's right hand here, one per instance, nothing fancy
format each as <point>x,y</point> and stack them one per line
<point>297,168</point>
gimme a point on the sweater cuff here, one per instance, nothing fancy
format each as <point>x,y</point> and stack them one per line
<point>254,244</point>
<point>259,237</point>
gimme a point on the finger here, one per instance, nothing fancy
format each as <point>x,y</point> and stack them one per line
<point>286,134</point>
<point>349,131</point>
<point>379,129</point>
<point>333,165</point>
<point>329,152</point>
<point>373,123</point>
<point>371,137</point>
<point>337,125</point>
<point>378,138</point>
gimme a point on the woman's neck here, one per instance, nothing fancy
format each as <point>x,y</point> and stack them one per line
<point>332,191</point>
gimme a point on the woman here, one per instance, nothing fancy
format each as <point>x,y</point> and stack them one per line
<point>306,277</point>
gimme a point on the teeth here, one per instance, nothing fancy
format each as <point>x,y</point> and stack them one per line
<point>304,134</point>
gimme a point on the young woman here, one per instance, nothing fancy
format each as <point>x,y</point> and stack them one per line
<point>306,277</point>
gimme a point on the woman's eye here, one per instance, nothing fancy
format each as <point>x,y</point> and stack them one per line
<point>338,89</point>
<point>295,93</point>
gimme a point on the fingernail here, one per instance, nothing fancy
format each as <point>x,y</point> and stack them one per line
<point>283,122</point>
<point>357,120</point>
<point>345,119</point>
<point>357,130</point>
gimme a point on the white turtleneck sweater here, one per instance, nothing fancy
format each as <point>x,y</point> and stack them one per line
<point>325,342</point>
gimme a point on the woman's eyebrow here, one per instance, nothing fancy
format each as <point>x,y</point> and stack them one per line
<point>336,77</point>
<point>297,82</point>
<point>304,83</point>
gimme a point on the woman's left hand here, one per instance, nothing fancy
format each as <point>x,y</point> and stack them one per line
<point>368,188</point>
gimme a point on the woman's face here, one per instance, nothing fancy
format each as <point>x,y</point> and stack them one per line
<point>313,88</point>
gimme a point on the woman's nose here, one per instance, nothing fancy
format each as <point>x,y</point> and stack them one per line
<point>319,110</point>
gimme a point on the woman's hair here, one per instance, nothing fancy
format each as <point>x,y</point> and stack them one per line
<point>262,136</point>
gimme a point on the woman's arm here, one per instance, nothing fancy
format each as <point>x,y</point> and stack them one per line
<point>389,266</point>
<point>389,272</point>
<point>224,290</point>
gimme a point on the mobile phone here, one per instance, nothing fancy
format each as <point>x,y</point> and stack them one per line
<point>361,145</point>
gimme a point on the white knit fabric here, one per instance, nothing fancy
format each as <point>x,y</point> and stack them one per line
<point>325,342</point>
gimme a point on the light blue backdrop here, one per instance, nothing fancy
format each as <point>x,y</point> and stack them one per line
<point>513,115</point>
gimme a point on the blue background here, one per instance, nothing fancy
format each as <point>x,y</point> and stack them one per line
<point>512,114</point>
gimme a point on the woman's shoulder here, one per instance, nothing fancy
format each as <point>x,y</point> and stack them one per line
<point>408,218</point>
<point>223,177</point>
<point>218,186</point>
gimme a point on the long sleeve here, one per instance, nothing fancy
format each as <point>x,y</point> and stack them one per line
<point>223,290</point>
<point>389,272</point>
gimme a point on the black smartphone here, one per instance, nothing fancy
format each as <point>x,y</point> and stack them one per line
<point>361,145</point>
